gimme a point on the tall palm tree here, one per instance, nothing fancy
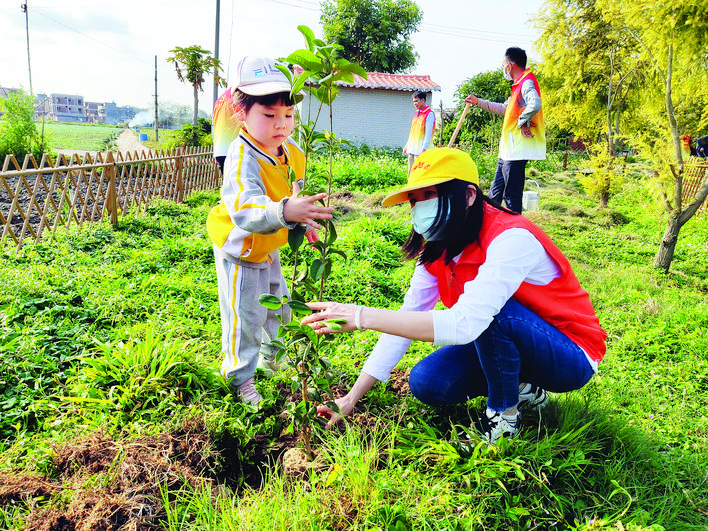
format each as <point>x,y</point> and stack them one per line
<point>192,63</point>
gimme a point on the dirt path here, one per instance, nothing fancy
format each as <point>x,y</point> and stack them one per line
<point>128,141</point>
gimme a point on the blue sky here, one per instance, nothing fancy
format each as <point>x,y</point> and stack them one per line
<point>105,49</point>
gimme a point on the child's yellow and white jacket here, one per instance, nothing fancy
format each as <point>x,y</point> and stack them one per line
<point>248,224</point>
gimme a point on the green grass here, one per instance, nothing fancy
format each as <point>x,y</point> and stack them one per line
<point>118,330</point>
<point>88,137</point>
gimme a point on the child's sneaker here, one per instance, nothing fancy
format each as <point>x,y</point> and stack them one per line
<point>249,393</point>
<point>494,425</point>
<point>534,398</point>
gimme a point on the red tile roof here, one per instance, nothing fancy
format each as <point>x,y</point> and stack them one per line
<point>379,80</point>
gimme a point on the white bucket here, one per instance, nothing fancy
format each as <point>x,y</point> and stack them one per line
<point>529,201</point>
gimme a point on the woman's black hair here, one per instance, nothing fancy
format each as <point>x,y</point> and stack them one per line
<point>247,101</point>
<point>460,228</point>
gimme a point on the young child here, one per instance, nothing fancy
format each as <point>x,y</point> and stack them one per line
<point>259,204</point>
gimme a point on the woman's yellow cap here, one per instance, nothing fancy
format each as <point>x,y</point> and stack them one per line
<point>435,166</point>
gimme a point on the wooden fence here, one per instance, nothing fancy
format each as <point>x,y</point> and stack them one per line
<point>36,199</point>
<point>695,172</point>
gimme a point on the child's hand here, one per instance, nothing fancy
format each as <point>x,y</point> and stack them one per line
<point>304,209</point>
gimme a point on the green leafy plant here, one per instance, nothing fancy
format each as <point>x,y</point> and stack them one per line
<point>18,132</point>
<point>141,376</point>
<point>301,347</point>
<point>319,69</point>
<point>193,64</point>
<point>607,174</point>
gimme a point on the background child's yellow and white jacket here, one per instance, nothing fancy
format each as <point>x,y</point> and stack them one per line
<point>248,223</point>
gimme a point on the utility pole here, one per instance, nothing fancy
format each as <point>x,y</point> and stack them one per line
<point>156,117</point>
<point>216,53</point>
<point>29,68</point>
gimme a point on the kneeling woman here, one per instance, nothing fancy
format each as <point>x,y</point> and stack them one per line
<point>517,322</point>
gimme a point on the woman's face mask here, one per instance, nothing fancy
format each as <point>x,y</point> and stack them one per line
<point>423,215</point>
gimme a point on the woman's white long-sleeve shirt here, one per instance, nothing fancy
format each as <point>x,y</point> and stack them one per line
<point>513,257</point>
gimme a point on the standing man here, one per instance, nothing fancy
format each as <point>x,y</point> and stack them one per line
<point>523,135</point>
<point>422,128</point>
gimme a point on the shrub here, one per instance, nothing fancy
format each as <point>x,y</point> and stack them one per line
<point>18,132</point>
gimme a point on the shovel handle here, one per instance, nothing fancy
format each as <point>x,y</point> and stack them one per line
<point>459,124</point>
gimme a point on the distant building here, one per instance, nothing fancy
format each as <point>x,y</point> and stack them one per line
<point>65,108</point>
<point>73,108</point>
<point>376,111</point>
<point>116,115</point>
<point>95,112</point>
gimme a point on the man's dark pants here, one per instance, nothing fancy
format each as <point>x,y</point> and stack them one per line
<point>508,183</point>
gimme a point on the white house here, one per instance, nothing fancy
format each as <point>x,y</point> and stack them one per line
<point>376,111</point>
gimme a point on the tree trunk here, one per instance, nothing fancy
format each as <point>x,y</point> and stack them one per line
<point>665,254</point>
<point>196,105</point>
<point>604,198</point>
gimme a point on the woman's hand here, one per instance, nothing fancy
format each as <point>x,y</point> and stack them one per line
<point>345,409</point>
<point>333,317</point>
<point>312,236</point>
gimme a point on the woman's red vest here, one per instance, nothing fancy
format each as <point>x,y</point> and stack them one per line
<point>562,303</point>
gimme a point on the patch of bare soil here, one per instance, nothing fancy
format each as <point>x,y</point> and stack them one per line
<point>102,484</point>
<point>113,485</point>
<point>399,382</point>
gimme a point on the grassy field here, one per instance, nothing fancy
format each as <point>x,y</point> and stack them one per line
<point>88,137</point>
<point>112,412</point>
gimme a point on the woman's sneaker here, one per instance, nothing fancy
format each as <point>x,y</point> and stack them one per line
<point>535,398</point>
<point>494,425</point>
<point>249,393</point>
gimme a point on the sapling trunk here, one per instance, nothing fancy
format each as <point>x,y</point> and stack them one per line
<point>306,427</point>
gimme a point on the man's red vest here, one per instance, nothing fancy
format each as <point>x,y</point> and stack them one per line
<point>563,302</point>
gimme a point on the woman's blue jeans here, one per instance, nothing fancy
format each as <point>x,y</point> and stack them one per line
<point>518,346</point>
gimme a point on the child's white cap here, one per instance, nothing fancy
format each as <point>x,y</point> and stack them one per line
<point>258,76</point>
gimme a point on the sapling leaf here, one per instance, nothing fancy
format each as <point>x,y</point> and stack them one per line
<point>270,301</point>
<point>335,324</point>
<point>308,34</point>
<point>299,307</point>
<point>296,236</point>
<point>305,59</point>
<point>331,233</point>
<point>332,405</point>
<point>286,72</point>
<point>317,269</point>
<point>319,245</point>
<point>299,82</point>
<point>337,251</point>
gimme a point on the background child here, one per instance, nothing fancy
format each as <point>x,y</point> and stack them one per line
<point>258,207</point>
<point>224,126</point>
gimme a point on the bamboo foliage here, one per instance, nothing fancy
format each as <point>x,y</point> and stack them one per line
<point>36,198</point>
